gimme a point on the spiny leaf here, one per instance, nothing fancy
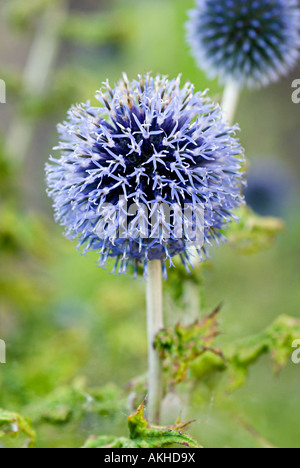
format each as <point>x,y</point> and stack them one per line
<point>180,347</point>
<point>276,340</point>
<point>143,435</point>
<point>12,424</point>
<point>190,348</point>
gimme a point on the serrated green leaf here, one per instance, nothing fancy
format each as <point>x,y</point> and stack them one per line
<point>180,347</point>
<point>191,349</point>
<point>143,435</point>
<point>276,340</point>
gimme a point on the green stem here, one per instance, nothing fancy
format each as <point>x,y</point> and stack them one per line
<point>155,323</point>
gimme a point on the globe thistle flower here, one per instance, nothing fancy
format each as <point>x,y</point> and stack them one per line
<point>153,144</point>
<point>252,42</point>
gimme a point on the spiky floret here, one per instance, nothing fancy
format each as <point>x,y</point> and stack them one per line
<point>253,42</point>
<point>151,143</point>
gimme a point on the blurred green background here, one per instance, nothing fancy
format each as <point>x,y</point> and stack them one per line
<point>62,317</point>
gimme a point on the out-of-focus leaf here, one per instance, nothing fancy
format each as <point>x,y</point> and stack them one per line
<point>143,435</point>
<point>178,278</point>
<point>22,14</point>
<point>21,234</point>
<point>276,340</point>
<point>62,93</point>
<point>74,401</point>
<point>7,184</point>
<point>12,424</point>
<point>97,28</point>
<point>180,347</point>
<point>253,233</point>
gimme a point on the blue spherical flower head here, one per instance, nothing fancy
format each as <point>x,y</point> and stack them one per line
<point>148,173</point>
<point>253,42</point>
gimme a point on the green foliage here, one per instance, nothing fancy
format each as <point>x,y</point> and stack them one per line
<point>187,349</point>
<point>6,177</point>
<point>143,435</point>
<point>22,14</point>
<point>183,345</point>
<point>14,85</point>
<point>62,93</point>
<point>190,348</point>
<point>61,317</point>
<point>276,340</point>
<point>98,29</point>
<point>178,278</point>
<point>12,425</point>
<point>73,402</point>
<point>253,233</point>
<point>22,235</point>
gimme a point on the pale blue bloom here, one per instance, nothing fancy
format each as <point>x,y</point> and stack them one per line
<point>149,142</point>
<point>253,42</point>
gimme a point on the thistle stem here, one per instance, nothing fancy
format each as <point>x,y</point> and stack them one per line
<point>230,100</point>
<point>155,323</point>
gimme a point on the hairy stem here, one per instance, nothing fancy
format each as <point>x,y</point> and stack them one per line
<point>230,100</point>
<point>155,323</point>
